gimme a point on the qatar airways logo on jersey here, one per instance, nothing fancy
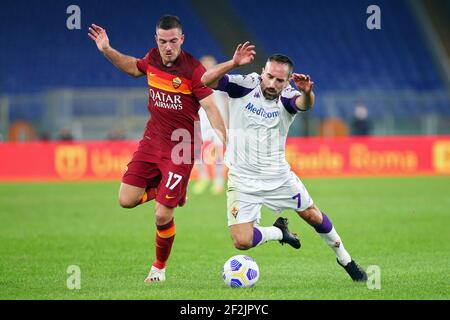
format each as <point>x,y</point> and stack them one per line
<point>165,100</point>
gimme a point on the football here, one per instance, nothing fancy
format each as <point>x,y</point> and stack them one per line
<point>240,271</point>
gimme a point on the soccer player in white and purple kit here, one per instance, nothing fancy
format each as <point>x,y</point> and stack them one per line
<point>262,108</point>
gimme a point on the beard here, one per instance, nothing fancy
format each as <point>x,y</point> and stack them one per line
<point>270,94</point>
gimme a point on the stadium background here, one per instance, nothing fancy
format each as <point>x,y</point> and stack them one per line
<point>62,102</point>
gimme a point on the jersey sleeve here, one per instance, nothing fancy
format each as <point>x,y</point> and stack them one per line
<point>143,63</point>
<point>238,86</point>
<point>288,97</point>
<point>199,90</point>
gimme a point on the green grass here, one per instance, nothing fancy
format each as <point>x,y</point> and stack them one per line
<point>399,224</point>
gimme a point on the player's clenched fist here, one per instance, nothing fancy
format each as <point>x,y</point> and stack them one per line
<point>244,54</point>
<point>303,82</point>
<point>98,34</point>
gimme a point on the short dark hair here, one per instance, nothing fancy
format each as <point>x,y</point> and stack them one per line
<point>281,58</point>
<point>168,22</point>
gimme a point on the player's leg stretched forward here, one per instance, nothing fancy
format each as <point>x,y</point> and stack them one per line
<point>317,219</point>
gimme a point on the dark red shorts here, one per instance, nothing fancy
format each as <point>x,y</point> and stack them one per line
<point>171,180</point>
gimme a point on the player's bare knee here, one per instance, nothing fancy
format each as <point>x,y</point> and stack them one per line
<point>163,214</point>
<point>241,243</point>
<point>161,220</point>
<point>312,215</point>
<point>127,202</point>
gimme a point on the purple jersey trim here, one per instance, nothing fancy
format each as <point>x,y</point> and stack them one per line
<point>234,90</point>
<point>289,104</point>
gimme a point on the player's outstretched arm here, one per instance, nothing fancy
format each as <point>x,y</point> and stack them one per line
<point>123,62</point>
<point>305,85</point>
<point>214,117</point>
<point>244,54</point>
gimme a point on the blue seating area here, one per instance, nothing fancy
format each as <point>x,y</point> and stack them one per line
<point>330,40</point>
<point>326,38</point>
<point>38,51</point>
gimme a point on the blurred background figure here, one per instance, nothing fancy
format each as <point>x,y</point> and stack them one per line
<point>116,134</point>
<point>212,149</point>
<point>361,124</point>
<point>65,134</point>
<point>44,136</point>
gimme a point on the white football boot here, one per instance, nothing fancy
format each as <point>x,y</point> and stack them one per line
<point>156,275</point>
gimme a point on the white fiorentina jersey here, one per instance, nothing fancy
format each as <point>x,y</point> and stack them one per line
<point>258,128</point>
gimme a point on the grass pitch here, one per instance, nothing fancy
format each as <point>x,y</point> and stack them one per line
<point>398,224</point>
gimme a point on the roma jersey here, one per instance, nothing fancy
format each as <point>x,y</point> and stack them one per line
<point>174,95</point>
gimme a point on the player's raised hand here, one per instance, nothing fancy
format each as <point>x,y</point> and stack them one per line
<point>98,34</point>
<point>244,54</point>
<point>303,82</point>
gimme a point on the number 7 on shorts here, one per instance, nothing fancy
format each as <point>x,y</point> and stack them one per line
<point>299,201</point>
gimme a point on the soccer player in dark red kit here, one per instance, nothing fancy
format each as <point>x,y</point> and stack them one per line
<point>161,167</point>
